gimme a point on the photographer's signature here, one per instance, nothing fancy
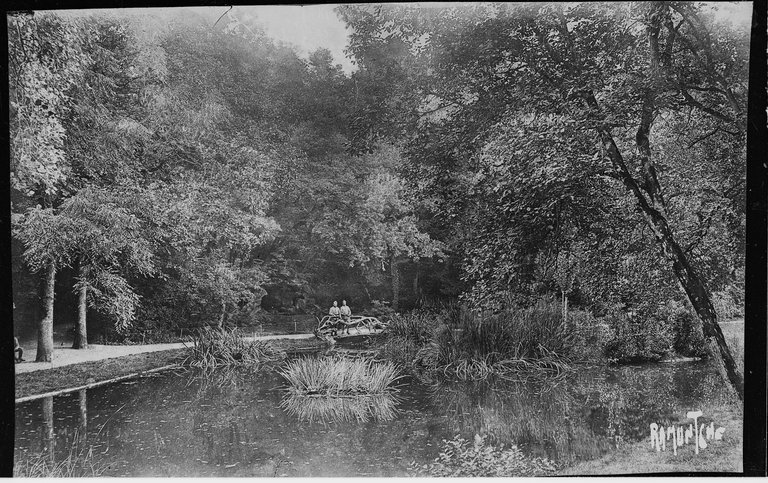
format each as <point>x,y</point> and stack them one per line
<point>680,435</point>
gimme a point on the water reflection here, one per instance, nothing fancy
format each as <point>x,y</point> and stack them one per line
<point>242,422</point>
<point>330,409</point>
<point>49,443</point>
<point>582,417</point>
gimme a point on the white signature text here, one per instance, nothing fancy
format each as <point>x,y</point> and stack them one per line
<point>680,435</point>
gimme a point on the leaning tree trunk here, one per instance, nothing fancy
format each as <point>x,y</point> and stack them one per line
<point>654,214</point>
<point>395,282</point>
<point>81,332</point>
<point>45,329</point>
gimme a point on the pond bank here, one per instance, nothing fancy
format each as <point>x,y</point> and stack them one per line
<point>102,364</point>
<point>64,356</point>
<point>721,456</point>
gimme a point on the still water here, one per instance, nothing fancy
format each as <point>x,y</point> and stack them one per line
<point>237,422</point>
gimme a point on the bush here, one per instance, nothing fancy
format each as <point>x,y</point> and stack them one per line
<point>459,457</point>
<point>728,305</point>
<point>636,340</point>
<point>214,348</point>
<point>381,309</point>
<point>687,333</point>
<point>588,336</point>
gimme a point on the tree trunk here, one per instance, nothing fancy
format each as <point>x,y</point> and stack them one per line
<point>689,280</point>
<point>81,332</point>
<point>416,295</point>
<point>45,329</point>
<point>395,282</point>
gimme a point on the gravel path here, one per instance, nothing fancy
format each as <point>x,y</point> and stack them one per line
<point>64,356</point>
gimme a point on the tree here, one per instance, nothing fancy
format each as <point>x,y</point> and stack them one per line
<point>45,60</point>
<point>108,240</point>
<point>599,73</point>
<point>49,240</point>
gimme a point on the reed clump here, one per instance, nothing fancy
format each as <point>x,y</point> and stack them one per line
<point>212,348</point>
<point>339,376</point>
<point>79,463</point>
<point>514,343</point>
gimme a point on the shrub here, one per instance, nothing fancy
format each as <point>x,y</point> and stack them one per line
<point>339,376</point>
<point>214,348</point>
<point>687,333</point>
<point>462,458</point>
<point>381,309</point>
<point>636,340</point>
<point>588,336</point>
<point>728,305</point>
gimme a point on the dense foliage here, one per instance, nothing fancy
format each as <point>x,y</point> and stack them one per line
<point>178,169</point>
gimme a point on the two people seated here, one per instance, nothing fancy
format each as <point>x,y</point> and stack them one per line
<point>342,313</point>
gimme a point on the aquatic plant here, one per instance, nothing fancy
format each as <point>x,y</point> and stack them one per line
<point>339,376</point>
<point>416,326</point>
<point>331,409</point>
<point>79,463</point>
<point>460,457</point>
<point>214,348</point>
<point>512,343</point>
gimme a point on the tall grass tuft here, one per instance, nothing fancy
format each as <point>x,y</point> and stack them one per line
<point>507,343</point>
<point>79,463</point>
<point>215,348</point>
<point>339,376</point>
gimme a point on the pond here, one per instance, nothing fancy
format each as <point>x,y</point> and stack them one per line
<point>236,423</point>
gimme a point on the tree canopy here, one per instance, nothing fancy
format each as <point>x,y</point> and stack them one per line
<point>193,170</point>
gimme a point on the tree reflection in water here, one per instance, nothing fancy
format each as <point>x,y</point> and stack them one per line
<point>539,416</point>
<point>581,417</point>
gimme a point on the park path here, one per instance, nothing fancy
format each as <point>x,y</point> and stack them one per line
<point>65,356</point>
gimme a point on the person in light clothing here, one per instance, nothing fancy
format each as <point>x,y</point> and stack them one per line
<point>345,311</point>
<point>335,309</point>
